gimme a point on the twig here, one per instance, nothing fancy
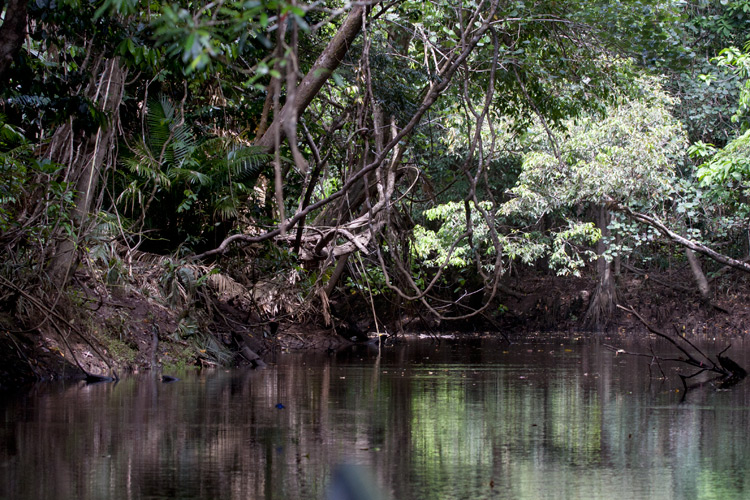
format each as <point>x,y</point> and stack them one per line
<point>656,359</point>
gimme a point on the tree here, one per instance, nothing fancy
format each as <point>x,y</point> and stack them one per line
<point>623,159</point>
<point>85,159</point>
<point>385,120</point>
<point>725,172</point>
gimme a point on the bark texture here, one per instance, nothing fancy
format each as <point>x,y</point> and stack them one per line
<point>318,75</point>
<point>700,277</point>
<point>12,34</point>
<point>85,158</point>
<point>602,305</point>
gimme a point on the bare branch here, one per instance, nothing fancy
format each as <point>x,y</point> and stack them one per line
<point>690,244</point>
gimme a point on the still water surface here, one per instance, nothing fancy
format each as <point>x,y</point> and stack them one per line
<point>540,419</point>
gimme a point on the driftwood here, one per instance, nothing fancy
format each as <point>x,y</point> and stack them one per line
<point>727,370</point>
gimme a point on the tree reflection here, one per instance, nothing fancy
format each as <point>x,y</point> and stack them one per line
<point>536,420</point>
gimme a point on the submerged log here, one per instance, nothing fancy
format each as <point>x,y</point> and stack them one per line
<point>250,356</point>
<point>92,378</point>
<point>732,367</point>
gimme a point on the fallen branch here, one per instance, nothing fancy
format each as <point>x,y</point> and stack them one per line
<point>729,371</point>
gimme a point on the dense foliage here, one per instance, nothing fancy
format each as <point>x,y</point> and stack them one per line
<point>421,149</point>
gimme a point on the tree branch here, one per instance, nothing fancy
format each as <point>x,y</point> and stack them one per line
<point>690,244</point>
<point>432,94</point>
<point>324,66</point>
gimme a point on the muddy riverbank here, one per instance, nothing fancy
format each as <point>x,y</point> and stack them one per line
<point>116,330</point>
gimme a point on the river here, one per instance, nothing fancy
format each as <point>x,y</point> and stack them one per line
<point>547,417</point>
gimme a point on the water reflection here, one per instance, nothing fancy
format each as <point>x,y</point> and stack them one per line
<point>536,420</point>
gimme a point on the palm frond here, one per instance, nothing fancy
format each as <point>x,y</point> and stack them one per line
<point>190,176</point>
<point>223,284</point>
<point>131,196</point>
<point>142,163</point>
<point>107,226</point>
<point>35,102</point>
<point>227,159</point>
<point>225,207</point>
<point>247,162</point>
<point>159,117</point>
<point>169,139</point>
<point>182,144</point>
<point>215,147</point>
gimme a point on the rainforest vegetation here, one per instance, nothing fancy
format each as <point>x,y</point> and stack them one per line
<point>182,181</point>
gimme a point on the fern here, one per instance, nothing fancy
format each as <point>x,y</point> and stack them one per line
<point>205,179</point>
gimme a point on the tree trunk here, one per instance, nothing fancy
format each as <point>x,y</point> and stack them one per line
<point>604,299</point>
<point>314,80</point>
<point>85,161</point>
<point>12,34</point>
<point>700,277</point>
<point>338,271</point>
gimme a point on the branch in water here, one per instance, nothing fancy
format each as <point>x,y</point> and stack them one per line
<point>728,370</point>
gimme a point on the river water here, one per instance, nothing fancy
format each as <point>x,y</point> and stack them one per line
<point>544,418</point>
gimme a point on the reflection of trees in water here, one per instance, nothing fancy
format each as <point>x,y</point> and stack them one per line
<point>580,423</point>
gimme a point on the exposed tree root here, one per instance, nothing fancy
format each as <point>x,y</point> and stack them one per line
<point>60,324</point>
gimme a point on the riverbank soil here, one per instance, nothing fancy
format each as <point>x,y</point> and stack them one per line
<point>665,299</point>
<point>108,331</point>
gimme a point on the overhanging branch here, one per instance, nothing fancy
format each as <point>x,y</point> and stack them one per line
<point>433,92</point>
<point>692,245</point>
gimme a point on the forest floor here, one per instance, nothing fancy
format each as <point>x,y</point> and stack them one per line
<point>129,332</point>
